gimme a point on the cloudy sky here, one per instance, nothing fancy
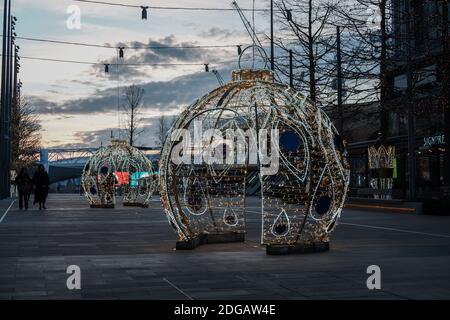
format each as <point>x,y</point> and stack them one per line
<point>78,103</point>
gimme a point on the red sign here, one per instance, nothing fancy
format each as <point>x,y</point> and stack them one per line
<point>122,178</point>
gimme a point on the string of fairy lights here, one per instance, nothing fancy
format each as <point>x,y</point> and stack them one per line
<point>144,16</point>
<point>144,47</point>
<point>107,65</point>
<point>121,53</point>
<point>122,47</point>
<point>286,12</point>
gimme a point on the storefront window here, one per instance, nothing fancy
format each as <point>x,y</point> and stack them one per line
<point>358,175</point>
<point>430,172</point>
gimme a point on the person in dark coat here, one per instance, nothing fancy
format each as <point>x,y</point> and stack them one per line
<point>24,187</point>
<point>41,183</point>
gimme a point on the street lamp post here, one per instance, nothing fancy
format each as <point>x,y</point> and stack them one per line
<point>10,96</point>
<point>4,114</point>
<point>7,96</point>
<point>16,71</point>
<point>272,53</point>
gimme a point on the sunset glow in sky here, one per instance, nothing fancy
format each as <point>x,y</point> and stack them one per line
<point>78,103</point>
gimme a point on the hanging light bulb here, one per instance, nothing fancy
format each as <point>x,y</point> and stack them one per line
<point>144,12</point>
<point>239,50</point>
<point>121,52</point>
<point>206,67</point>
<point>289,15</point>
<point>106,68</point>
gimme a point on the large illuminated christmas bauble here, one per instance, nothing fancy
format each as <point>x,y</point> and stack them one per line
<point>275,144</point>
<point>118,169</point>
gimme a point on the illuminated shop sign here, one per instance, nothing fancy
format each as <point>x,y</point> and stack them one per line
<point>122,178</point>
<point>136,176</point>
<point>433,140</point>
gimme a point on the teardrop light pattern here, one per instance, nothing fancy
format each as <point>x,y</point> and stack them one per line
<point>323,197</point>
<point>230,217</point>
<point>333,221</point>
<point>194,197</point>
<point>293,143</point>
<point>281,225</point>
<point>323,204</point>
<point>287,188</point>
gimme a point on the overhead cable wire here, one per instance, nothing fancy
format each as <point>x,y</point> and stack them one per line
<point>113,64</point>
<point>117,4</point>
<point>127,47</point>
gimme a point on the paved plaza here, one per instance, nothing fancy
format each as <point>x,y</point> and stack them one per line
<point>128,253</point>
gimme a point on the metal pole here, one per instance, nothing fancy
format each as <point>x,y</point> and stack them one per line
<point>272,54</point>
<point>9,104</point>
<point>339,80</point>
<point>384,114</point>
<point>3,165</point>
<point>291,70</point>
<point>411,116</point>
<point>411,146</point>
<point>15,70</point>
<point>15,105</point>
<point>446,90</point>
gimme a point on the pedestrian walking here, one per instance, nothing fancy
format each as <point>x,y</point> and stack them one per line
<point>41,183</point>
<point>24,188</point>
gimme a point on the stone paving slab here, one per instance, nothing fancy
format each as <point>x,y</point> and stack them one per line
<point>128,253</point>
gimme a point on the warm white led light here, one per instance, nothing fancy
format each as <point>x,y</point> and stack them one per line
<point>118,168</point>
<point>300,202</point>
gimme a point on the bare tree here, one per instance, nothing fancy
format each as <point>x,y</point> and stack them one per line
<point>369,46</point>
<point>133,112</point>
<point>164,125</point>
<point>309,30</point>
<point>403,37</point>
<point>310,35</point>
<point>26,137</point>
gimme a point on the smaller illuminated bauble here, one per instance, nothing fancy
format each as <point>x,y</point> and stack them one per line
<point>118,169</point>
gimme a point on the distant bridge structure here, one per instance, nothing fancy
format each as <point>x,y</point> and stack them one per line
<point>68,163</point>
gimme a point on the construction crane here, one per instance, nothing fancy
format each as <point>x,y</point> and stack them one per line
<point>219,77</point>
<point>247,24</point>
<point>252,33</point>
